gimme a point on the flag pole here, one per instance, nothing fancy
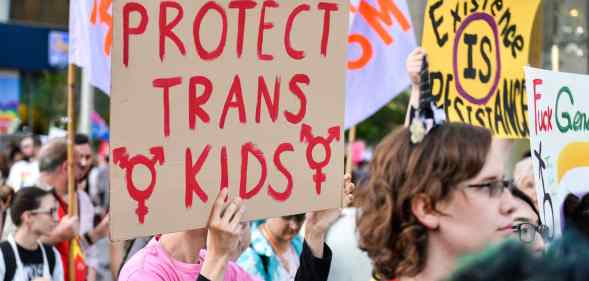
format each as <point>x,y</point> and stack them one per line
<point>72,206</point>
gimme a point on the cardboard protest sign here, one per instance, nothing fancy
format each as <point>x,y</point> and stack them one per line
<point>477,50</point>
<point>559,140</point>
<point>245,95</point>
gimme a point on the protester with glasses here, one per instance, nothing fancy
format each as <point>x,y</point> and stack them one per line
<point>24,258</point>
<point>527,226</point>
<point>435,193</point>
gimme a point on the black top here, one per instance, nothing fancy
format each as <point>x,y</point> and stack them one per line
<point>32,262</point>
<point>311,268</point>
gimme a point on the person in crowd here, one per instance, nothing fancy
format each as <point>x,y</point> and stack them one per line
<point>26,171</point>
<point>86,160</point>
<point>24,258</point>
<point>349,262</point>
<point>576,214</point>
<point>523,177</point>
<point>206,253</point>
<point>6,195</point>
<point>436,192</point>
<point>98,180</point>
<point>527,226</point>
<point>4,167</point>
<point>94,253</point>
<point>54,176</point>
<point>275,248</point>
<point>182,256</point>
<point>566,260</point>
<point>14,153</point>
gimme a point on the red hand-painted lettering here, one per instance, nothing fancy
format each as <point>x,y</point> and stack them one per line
<point>195,103</point>
<point>328,8</point>
<point>242,6</point>
<point>537,97</point>
<point>167,29</point>
<point>295,54</point>
<point>246,150</point>
<point>271,103</point>
<point>192,185</point>
<point>204,54</point>
<point>282,196</point>
<point>166,84</point>
<point>234,99</point>
<point>298,92</point>
<point>265,26</point>
<point>129,8</point>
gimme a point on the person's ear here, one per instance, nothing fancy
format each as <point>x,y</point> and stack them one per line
<point>423,209</point>
<point>26,217</point>
<point>63,167</point>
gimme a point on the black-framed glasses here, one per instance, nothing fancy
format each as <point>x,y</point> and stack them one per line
<point>51,212</point>
<point>495,188</point>
<point>529,232</point>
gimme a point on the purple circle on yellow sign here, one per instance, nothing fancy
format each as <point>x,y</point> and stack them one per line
<point>493,25</point>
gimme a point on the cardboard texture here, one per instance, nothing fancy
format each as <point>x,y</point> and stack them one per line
<point>477,51</point>
<point>273,99</point>
<point>559,140</point>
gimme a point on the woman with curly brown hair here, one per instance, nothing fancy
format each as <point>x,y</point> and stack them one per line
<point>432,197</point>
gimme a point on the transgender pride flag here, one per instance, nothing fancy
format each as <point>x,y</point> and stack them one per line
<point>98,127</point>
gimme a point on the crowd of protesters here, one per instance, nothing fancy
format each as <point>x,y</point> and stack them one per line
<point>433,205</point>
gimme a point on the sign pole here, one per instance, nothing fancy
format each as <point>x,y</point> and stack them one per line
<point>351,139</point>
<point>72,206</point>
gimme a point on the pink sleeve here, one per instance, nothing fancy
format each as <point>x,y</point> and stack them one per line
<point>236,273</point>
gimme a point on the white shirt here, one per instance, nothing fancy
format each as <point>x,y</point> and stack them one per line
<point>23,173</point>
<point>348,263</point>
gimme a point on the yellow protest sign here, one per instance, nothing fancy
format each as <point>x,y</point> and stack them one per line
<point>477,50</point>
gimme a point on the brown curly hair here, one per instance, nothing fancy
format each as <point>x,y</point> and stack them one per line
<point>388,230</point>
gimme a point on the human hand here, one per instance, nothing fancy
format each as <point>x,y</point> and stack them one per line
<point>223,226</point>
<point>102,228</point>
<point>223,234</point>
<point>245,238</point>
<point>68,228</point>
<point>349,188</point>
<point>414,63</point>
<point>319,222</point>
